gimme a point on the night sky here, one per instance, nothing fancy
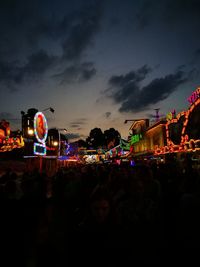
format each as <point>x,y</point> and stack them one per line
<point>97,63</point>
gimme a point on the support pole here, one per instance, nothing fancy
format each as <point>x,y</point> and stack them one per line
<point>40,165</point>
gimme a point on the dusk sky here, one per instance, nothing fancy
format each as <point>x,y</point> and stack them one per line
<point>97,63</point>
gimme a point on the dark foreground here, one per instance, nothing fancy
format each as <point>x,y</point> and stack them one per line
<point>101,215</point>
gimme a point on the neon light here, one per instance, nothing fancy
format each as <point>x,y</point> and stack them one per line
<point>188,114</point>
<point>39,149</point>
<point>186,144</point>
<point>51,148</point>
<point>194,96</point>
<point>40,127</point>
<point>135,138</point>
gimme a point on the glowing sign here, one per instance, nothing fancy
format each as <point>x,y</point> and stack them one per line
<point>135,138</point>
<point>39,149</point>
<point>40,127</point>
<point>194,96</point>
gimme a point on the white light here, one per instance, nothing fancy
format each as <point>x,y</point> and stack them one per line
<point>55,143</point>
<point>30,131</point>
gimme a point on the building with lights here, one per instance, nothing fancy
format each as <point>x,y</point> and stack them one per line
<point>174,134</point>
<point>137,138</point>
<point>156,136</point>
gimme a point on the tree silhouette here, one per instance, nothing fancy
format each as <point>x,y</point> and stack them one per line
<point>95,139</point>
<point>82,143</point>
<point>112,138</point>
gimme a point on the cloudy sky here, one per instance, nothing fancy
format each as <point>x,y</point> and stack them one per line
<point>97,63</point>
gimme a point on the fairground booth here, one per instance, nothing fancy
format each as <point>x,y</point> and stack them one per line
<point>177,133</point>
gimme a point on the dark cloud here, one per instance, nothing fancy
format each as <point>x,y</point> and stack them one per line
<point>9,74</point>
<point>107,114</point>
<point>32,21</point>
<point>145,13</point>
<point>12,74</point>
<point>181,68</point>
<point>127,90</point>
<point>166,11</point>
<point>126,85</point>
<point>159,89</point>
<point>75,28</point>
<point>28,26</point>
<point>18,22</point>
<point>179,9</point>
<point>133,76</point>
<point>84,25</point>
<point>49,28</point>
<point>76,73</point>
<point>39,63</point>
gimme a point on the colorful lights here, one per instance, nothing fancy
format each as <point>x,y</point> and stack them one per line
<point>67,150</point>
<point>186,143</point>
<point>30,132</point>
<point>180,136</point>
<point>40,127</point>
<point>40,131</point>
<point>194,96</point>
<point>8,144</point>
<point>39,149</point>
<point>188,114</point>
<point>135,138</point>
<point>171,115</point>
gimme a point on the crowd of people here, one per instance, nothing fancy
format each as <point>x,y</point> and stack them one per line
<point>107,214</point>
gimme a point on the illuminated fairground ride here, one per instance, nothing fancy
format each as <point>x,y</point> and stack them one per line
<point>178,134</point>
<point>183,131</point>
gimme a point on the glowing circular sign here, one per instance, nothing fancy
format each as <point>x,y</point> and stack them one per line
<point>40,127</point>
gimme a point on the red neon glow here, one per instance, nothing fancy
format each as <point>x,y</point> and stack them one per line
<point>194,96</point>
<point>40,127</point>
